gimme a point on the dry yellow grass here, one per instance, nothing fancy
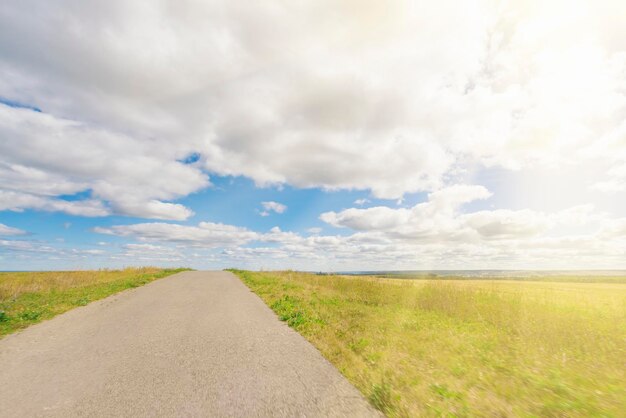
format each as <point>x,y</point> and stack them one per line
<point>13,284</point>
<point>463,348</point>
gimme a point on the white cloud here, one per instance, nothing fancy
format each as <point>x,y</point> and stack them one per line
<point>269,207</point>
<point>437,216</point>
<point>87,252</point>
<point>206,234</point>
<point>615,181</point>
<point>16,201</point>
<point>439,224</point>
<point>16,246</point>
<point>278,236</point>
<point>615,228</point>
<point>506,224</point>
<point>7,231</point>
<point>392,98</point>
<point>150,252</point>
<point>432,235</point>
<point>118,169</point>
<point>154,209</point>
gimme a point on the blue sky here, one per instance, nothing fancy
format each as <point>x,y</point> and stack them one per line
<point>230,200</point>
<point>313,136</point>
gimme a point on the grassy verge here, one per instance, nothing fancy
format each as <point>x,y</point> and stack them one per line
<point>463,348</point>
<point>30,297</point>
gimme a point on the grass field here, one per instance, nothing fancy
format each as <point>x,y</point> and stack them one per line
<point>30,297</point>
<point>566,278</point>
<point>463,348</point>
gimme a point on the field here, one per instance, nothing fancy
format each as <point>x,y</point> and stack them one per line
<point>30,297</point>
<point>524,276</point>
<point>463,347</point>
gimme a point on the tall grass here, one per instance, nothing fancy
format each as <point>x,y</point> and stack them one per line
<point>463,348</point>
<point>30,297</point>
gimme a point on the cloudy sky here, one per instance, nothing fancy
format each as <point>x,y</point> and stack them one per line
<point>317,135</point>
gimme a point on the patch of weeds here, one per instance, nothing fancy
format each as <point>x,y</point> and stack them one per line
<point>288,310</point>
<point>373,358</point>
<point>380,397</point>
<point>290,286</point>
<point>330,301</point>
<point>458,370</point>
<point>30,315</point>
<point>359,346</point>
<point>320,321</point>
<point>82,301</point>
<point>455,405</point>
<point>446,393</point>
<point>295,319</point>
<point>4,317</point>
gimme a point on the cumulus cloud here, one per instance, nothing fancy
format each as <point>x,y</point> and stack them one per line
<point>615,181</point>
<point>17,201</point>
<point>615,228</point>
<point>433,218</point>
<point>269,207</point>
<point>41,254</point>
<point>409,238</point>
<point>440,220</point>
<point>87,252</point>
<point>151,253</point>
<point>117,169</point>
<point>506,224</point>
<point>8,230</point>
<point>15,246</point>
<point>392,98</point>
<point>205,234</point>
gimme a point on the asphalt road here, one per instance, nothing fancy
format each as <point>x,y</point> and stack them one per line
<point>193,344</point>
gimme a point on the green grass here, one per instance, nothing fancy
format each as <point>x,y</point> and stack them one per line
<point>30,297</point>
<point>463,348</point>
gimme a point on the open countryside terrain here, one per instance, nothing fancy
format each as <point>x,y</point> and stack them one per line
<point>30,297</point>
<point>463,347</point>
<point>423,204</point>
<point>591,276</point>
<point>194,344</point>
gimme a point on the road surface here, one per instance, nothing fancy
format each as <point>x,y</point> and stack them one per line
<point>193,344</point>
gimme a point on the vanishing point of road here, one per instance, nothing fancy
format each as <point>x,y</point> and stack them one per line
<point>196,344</point>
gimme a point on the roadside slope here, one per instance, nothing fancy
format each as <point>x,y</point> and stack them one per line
<point>194,344</point>
<point>27,298</point>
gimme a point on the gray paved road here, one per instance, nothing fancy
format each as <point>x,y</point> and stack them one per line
<point>193,344</point>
